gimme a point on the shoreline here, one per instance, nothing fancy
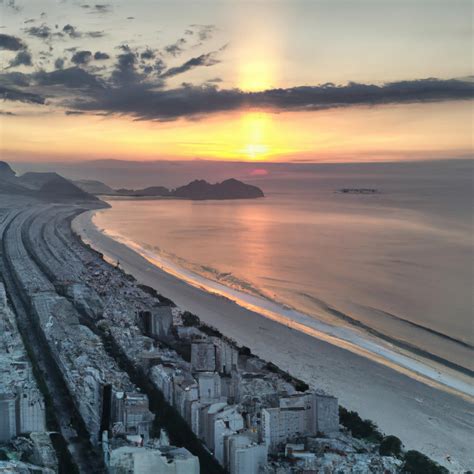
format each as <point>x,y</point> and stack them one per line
<point>355,337</point>
<point>334,372</point>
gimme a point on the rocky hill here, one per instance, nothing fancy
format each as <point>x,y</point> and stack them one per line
<point>198,189</point>
<point>94,187</point>
<point>6,173</point>
<point>46,186</point>
<point>152,191</point>
<point>228,189</point>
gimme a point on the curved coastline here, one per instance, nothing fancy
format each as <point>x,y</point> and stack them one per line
<point>426,415</point>
<point>395,354</point>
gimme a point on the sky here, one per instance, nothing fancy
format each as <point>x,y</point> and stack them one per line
<point>294,80</point>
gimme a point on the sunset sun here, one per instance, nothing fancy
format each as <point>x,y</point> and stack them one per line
<point>256,134</point>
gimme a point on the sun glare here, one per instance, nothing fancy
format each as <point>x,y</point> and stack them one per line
<point>256,128</point>
<point>255,151</point>
<point>255,76</point>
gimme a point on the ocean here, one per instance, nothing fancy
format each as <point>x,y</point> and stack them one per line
<point>396,264</point>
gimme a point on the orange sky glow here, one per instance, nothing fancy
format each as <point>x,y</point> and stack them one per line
<point>224,49</point>
<point>362,134</point>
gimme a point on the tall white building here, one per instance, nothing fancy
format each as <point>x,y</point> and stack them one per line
<point>156,322</point>
<point>219,420</point>
<point>326,414</point>
<point>303,414</point>
<point>203,357</point>
<point>163,379</point>
<point>244,455</point>
<point>281,424</point>
<point>323,411</point>
<point>227,356</point>
<point>31,409</point>
<point>209,386</point>
<point>130,414</point>
<point>148,460</point>
<point>8,428</point>
<point>22,408</point>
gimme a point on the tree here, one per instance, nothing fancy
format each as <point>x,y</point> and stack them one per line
<point>390,446</point>
<point>359,428</point>
<point>418,463</point>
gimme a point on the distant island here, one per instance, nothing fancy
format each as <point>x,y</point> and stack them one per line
<point>197,190</point>
<point>358,191</point>
<point>53,186</point>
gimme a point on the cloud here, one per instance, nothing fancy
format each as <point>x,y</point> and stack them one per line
<point>72,32</point>
<point>11,43</point>
<point>74,112</point>
<point>125,71</point>
<point>81,57</point>
<point>159,66</point>
<point>147,54</point>
<point>8,93</point>
<point>15,79</point>
<point>94,34</point>
<point>22,58</point>
<point>203,60</point>
<point>12,5</point>
<point>176,48</point>
<point>138,89</point>
<point>147,103</point>
<point>204,32</point>
<point>59,63</point>
<point>103,8</point>
<point>156,69</point>
<point>70,78</point>
<point>98,8</point>
<point>46,54</point>
<point>99,56</point>
<point>42,32</point>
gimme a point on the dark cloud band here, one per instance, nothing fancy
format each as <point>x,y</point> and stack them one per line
<point>150,104</point>
<point>130,90</point>
<point>203,60</point>
<point>8,93</point>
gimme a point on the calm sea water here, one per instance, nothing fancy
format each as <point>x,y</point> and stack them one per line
<point>397,264</point>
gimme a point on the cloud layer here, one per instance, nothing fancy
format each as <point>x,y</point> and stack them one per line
<point>143,102</point>
<point>139,83</point>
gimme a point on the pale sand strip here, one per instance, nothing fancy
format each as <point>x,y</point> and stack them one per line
<point>425,418</point>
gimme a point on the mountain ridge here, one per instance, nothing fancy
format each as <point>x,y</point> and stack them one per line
<point>197,190</point>
<point>43,185</point>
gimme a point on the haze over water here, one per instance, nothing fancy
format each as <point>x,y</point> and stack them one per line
<point>377,262</point>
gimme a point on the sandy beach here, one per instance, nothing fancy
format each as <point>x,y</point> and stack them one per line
<point>433,421</point>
